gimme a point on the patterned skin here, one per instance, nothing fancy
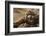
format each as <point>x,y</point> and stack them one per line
<point>31,19</point>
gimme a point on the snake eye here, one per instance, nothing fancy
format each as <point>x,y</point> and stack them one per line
<point>29,16</point>
<point>32,16</point>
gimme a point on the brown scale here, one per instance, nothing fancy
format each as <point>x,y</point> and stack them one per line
<point>32,20</point>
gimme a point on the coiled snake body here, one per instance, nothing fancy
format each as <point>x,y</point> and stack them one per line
<point>31,20</point>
